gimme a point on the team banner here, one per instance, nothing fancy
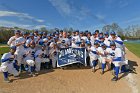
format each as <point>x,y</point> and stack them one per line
<point>70,55</point>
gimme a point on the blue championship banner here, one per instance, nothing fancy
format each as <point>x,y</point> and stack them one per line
<point>70,55</point>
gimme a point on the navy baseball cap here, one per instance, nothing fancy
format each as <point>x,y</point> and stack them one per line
<point>101,37</point>
<point>40,33</point>
<point>96,42</point>
<point>86,31</point>
<point>77,31</point>
<point>81,32</point>
<point>61,30</point>
<point>93,33</point>
<point>13,47</point>
<point>106,33</point>
<point>101,33</point>
<point>25,33</point>
<point>112,33</point>
<point>31,34</point>
<point>49,35</point>
<point>17,31</point>
<point>97,31</point>
<point>112,43</point>
<point>36,31</point>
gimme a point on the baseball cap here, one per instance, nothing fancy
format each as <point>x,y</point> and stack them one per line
<point>112,43</point>
<point>106,33</point>
<point>112,33</point>
<point>13,47</point>
<point>31,34</point>
<point>17,31</point>
<point>96,42</point>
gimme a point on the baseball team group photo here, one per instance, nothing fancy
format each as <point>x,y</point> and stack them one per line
<point>72,47</point>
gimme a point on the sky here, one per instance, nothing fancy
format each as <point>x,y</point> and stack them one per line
<point>78,14</point>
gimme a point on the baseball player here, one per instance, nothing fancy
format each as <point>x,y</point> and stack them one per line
<point>102,56</point>
<point>76,40</point>
<point>117,59</point>
<point>93,38</point>
<point>7,65</point>
<point>53,53</point>
<point>11,41</point>
<point>119,44</point>
<point>41,57</point>
<point>83,36</point>
<point>29,59</point>
<point>31,38</point>
<point>93,55</point>
<point>65,41</point>
<point>20,42</point>
<point>107,41</point>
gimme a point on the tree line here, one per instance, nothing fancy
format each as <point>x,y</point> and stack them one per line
<point>131,32</point>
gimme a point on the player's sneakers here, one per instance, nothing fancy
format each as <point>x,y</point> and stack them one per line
<point>36,73</point>
<point>102,72</point>
<point>93,70</point>
<point>32,74</point>
<point>114,78</point>
<point>17,77</point>
<point>7,80</point>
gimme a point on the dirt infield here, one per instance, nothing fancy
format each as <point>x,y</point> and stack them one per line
<point>75,80</point>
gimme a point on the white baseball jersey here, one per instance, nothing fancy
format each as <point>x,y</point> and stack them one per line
<point>7,65</point>
<point>84,38</point>
<point>29,40</point>
<point>67,42</point>
<point>20,48</point>
<point>101,50</point>
<point>11,41</point>
<point>93,53</point>
<point>29,53</point>
<point>74,40</point>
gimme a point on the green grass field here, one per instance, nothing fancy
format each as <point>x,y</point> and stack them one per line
<point>3,45</point>
<point>133,47</point>
<point>3,50</point>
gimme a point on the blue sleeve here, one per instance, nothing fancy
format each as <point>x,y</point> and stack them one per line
<point>35,56</point>
<point>117,59</point>
<point>4,60</point>
<point>120,42</point>
<point>78,42</point>
<point>108,46</point>
<point>94,52</point>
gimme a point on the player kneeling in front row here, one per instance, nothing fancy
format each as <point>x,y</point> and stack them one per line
<point>29,58</point>
<point>41,57</point>
<point>93,55</point>
<point>53,54</point>
<point>102,56</point>
<point>116,60</point>
<point>7,65</point>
